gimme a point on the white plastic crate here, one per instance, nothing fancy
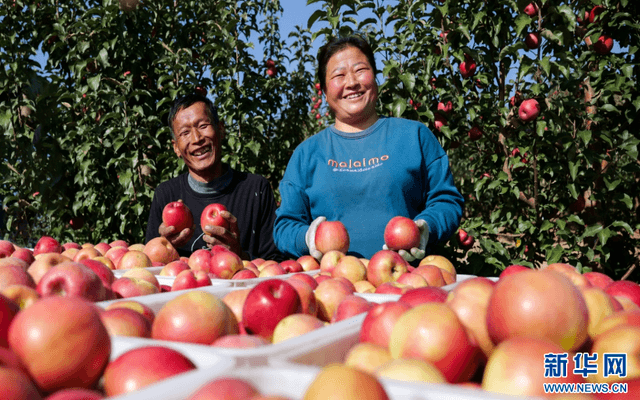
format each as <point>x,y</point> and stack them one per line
<point>292,381</point>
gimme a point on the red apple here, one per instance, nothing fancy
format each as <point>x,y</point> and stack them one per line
<point>475,133</point>
<point>72,279</point>
<point>431,274</point>
<point>84,253</point>
<point>211,216</point>
<point>517,367</point>
<point>350,306</point>
<point>102,247</point>
<point>529,110</point>
<point>14,273</point>
<point>401,233</point>
<point>115,254</point>
<point>308,263</point>
<point>267,304</point>
<point>305,278</point>
<point>187,280</point>
<point>174,268</point>
<point>47,244</point>
<point>598,279</point>
<point>194,317</point>
<point>24,254</point>
<point>126,322</point>
<point>307,296</point>
<point>466,240</point>
<point>134,259</point>
<point>429,294</point>
<point>244,273</point>
<point>329,261</point>
<point>271,269</point>
<point>8,310</point>
<point>43,263</point>
<point>367,357</point>
<point>377,325</point>
<point>433,333</point>
<point>240,341</point>
<point>541,304</point>
<point>628,289</point>
<point>393,288</point>
<point>295,325</point>
<point>104,273</point>
<point>23,296</point>
<point>439,122</point>
<point>119,243</point>
<point>224,264</point>
<point>76,361</point>
<point>75,394</point>
<point>143,366</point>
<point>160,250</point>
<point>16,385</point>
<point>445,108</point>
<point>603,45</point>
<point>332,235</point>
<point>345,382</point>
<point>467,67</point>
<point>225,388</point>
<point>178,215</point>
<point>531,9</point>
<point>133,287</point>
<point>235,301</point>
<point>350,268</point>
<point>136,306</point>
<point>6,248</point>
<point>595,12</point>
<point>200,260</point>
<point>291,266</point>
<point>385,266</point>
<point>513,269</point>
<point>532,40</point>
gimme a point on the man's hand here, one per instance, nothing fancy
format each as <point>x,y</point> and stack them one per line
<point>310,238</point>
<point>416,253</point>
<point>177,239</point>
<point>229,238</point>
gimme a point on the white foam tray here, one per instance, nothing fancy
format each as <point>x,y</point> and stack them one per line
<point>168,280</point>
<point>292,382</point>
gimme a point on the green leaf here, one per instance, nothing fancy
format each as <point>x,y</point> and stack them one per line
<point>103,57</point>
<point>623,224</point>
<point>585,136</point>
<point>94,82</point>
<point>554,255</point>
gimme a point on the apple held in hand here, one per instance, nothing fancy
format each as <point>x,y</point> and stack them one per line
<point>268,303</point>
<point>401,233</point>
<point>211,216</point>
<point>332,235</point>
<point>178,215</point>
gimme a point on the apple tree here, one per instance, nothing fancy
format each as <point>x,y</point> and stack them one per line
<point>562,186</point>
<point>84,137</point>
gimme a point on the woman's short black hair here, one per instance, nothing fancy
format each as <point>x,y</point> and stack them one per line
<point>187,101</point>
<point>340,43</point>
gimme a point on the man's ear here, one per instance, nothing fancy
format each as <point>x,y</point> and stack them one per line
<point>175,148</point>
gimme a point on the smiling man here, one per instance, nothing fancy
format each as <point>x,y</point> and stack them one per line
<point>198,135</point>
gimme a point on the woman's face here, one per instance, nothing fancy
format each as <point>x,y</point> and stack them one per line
<point>351,90</point>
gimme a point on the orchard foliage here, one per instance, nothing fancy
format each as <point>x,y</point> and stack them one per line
<point>561,188</point>
<point>87,132</point>
<point>85,137</point>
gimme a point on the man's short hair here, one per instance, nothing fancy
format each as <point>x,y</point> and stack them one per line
<point>187,101</point>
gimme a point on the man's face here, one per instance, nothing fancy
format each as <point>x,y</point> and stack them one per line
<point>197,140</point>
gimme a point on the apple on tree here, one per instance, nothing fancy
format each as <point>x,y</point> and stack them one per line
<point>467,67</point>
<point>529,110</point>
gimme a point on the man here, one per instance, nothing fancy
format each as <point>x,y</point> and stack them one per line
<point>197,139</point>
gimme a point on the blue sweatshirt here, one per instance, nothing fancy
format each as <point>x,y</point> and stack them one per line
<point>363,179</point>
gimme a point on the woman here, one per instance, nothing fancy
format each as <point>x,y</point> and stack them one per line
<point>365,169</point>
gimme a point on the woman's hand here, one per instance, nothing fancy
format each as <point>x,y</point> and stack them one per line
<point>310,238</point>
<point>416,253</point>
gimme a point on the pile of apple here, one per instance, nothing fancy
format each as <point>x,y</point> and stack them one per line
<point>493,335</point>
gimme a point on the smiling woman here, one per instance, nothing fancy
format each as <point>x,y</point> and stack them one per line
<point>410,176</point>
